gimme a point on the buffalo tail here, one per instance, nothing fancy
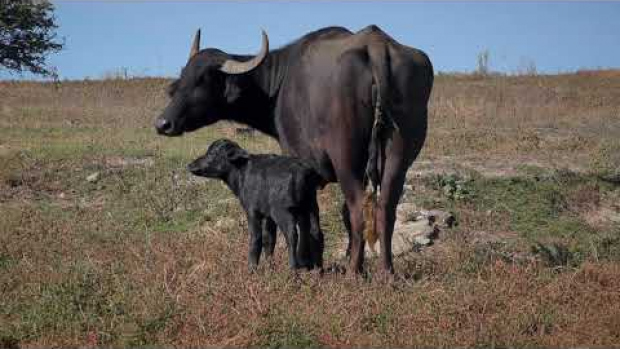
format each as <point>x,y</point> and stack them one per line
<point>379,60</point>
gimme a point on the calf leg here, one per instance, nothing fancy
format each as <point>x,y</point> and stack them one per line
<point>311,240</point>
<point>256,243</point>
<point>269,236</point>
<point>288,225</point>
<point>347,225</point>
<point>305,246</point>
<point>316,235</point>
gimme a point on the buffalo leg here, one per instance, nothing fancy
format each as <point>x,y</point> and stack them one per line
<point>353,191</point>
<point>400,154</point>
<point>385,216</point>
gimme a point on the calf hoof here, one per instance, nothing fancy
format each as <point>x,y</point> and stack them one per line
<point>252,268</point>
<point>306,265</point>
<point>319,264</point>
<point>293,266</point>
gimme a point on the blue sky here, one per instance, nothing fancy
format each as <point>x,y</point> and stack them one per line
<point>153,38</point>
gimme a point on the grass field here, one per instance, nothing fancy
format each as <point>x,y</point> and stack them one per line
<point>144,254</point>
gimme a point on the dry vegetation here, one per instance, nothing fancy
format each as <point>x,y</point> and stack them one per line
<point>147,255</point>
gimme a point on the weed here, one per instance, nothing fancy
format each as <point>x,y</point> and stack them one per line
<point>6,261</point>
<point>553,254</point>
<point>285,331</point>
<point>379,323</point>
<point>454,187</point>
<point>149,328</point>
<point>606,160</point>
<point>606,246</point>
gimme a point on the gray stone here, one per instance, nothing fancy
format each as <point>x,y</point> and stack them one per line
<point>406,236</point>
<point>422,240</point>
<point>406,212</point>
<point>441,218</point>
<point>94,177</point>
<point>413,228</point>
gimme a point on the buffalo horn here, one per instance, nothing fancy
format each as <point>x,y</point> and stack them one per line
<point>231,66</point>
<point>195,45</point>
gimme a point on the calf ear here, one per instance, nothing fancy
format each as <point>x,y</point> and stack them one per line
<point>238,157</point>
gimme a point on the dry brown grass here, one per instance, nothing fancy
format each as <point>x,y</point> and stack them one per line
<point>557,119</point>
<point>148,255</point>
<point>191,289</point>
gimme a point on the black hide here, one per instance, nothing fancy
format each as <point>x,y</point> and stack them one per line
<point>273,190</point>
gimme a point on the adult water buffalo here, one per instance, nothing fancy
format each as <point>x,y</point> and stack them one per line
<point>353,104</point>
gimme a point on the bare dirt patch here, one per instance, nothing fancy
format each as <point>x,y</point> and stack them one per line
<point>120,161</point>
<point>493,166</point>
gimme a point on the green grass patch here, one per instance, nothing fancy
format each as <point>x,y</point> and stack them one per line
<point>544,209</point>
<point>283,330</point>
<point>83,299</point>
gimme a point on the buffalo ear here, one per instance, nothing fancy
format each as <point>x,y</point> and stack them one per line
<point>238,157</point>
<point>232,91</point>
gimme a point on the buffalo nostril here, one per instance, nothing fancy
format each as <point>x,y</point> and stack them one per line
<point>163,126</point>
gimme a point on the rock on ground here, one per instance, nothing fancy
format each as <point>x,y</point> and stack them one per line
<point>92,178</point>
<point>413,228</point>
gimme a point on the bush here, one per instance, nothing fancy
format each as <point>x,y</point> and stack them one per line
<point>454,187</point>
<point>605,161</point>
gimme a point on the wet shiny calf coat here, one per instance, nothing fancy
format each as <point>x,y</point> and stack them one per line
<point>274,191</point>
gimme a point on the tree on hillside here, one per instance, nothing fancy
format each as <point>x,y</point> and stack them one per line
<point>27,35</point>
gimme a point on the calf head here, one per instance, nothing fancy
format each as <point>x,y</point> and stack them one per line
<point>223,157</point>
<point>206,90</point>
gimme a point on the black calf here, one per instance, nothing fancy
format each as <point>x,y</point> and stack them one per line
<point>273,190</point>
